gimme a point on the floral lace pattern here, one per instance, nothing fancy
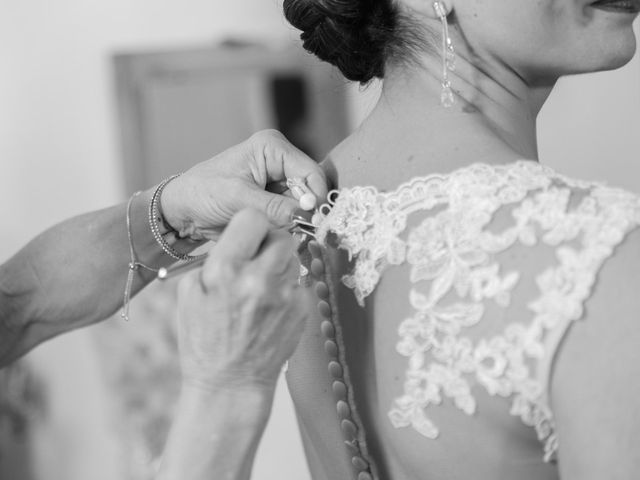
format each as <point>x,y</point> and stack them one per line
<point>453,254</point>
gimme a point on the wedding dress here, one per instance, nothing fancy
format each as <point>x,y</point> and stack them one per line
<point>441,306</point>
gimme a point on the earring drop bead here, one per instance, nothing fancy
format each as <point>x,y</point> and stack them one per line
<point>450,56</point>
<point>446,96</point>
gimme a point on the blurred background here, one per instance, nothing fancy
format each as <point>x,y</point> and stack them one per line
<point>100,98</point>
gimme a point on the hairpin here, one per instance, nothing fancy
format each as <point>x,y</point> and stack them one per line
<point>301,224</point>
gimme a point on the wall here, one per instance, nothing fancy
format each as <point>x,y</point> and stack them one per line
<point>590,126</point>
<point>58,134</point>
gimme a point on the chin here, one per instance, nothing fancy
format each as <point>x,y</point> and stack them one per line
<point>608,55</point>
<point>617,50</point>
<point>596,54</point>
<point>618,58</point>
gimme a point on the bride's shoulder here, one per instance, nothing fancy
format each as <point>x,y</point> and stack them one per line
<point>596,380</point>
<point>597,369</point>
<point>509,182</point>
<point>617,208</point>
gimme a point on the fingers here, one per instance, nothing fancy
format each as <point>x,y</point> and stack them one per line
<point>277,257</point>
<point>248,241</point>
<point>187,283</point>
<point>278,208</point>
<point>283,160</point>
<point>242,238</point>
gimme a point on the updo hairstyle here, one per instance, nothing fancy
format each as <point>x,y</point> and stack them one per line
<point>357,36</point>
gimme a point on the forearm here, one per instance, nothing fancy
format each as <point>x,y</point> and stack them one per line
<point>72,275</point>
<point>215,434</point>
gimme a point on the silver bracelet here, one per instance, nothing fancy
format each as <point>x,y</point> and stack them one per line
<point>155,217</point>
<point>134,264</point>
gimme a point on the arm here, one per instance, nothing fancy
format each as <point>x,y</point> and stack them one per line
<point>72,275</point>
<point>239,319</point>
<point>596,381</point>
<point>216,433</point>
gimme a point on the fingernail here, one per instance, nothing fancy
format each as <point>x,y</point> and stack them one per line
<point>317,184</point>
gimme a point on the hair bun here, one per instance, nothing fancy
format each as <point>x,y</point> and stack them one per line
<point>350,34</point>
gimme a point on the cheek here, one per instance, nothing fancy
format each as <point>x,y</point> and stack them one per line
<point>504,28</point>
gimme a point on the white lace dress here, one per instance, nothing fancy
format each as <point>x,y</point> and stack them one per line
<point>480,273</point>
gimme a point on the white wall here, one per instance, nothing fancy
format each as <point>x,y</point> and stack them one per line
<point>590,126</point>
<point>58,139</point>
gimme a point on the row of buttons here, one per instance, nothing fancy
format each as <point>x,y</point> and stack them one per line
<point>339,384</point>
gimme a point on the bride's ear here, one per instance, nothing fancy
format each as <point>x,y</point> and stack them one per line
<point>427,7</point>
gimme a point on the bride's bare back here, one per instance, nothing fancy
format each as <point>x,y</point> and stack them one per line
<point>470,286</point>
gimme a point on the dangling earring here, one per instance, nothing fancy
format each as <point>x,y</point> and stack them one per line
<point>448,57</point>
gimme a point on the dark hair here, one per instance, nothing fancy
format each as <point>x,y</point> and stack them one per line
<point>357,36</point>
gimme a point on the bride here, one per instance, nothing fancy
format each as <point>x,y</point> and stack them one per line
<point>476,312</point>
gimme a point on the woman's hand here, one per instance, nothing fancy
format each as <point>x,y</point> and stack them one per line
<point>200,203</point>
<point>39,300</point>
<point>241,316</point>
<point>239,319</point>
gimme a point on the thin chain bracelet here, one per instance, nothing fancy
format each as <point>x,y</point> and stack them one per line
<point>134,264</point>
<point>155,217</point>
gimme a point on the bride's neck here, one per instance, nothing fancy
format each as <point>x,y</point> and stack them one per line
<point>495,105</point>
<point>493,119</point>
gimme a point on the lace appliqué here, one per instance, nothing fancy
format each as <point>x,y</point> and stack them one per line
<point>452,254</point>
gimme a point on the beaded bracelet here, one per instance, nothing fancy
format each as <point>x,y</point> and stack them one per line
<point>155,217</point>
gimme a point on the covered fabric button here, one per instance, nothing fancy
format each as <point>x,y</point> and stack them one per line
<point>335,369</point>
<point>331,348</point>
<point>343,409</point>
<point>359,463</point>
<point>339,390</point>
<point>317,267</point>
<point>314,248</point>
<point>324,308</point>
<point>349,428</point>
<point>328,330</point>
<point>322,291</point>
